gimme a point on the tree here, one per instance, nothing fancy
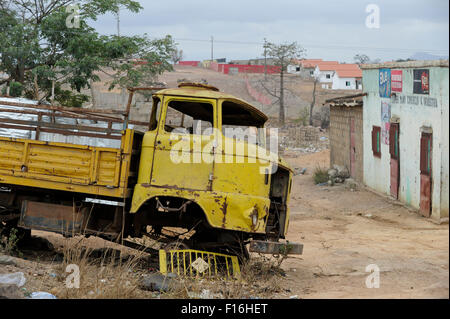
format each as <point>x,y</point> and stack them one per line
<point>361,59</point>
<point>313,102</point>
<point>177,55</point>
<point>43,49</point>
<point>282,55</point>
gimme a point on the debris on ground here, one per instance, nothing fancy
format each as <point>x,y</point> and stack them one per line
<point>6,260</point>
<point>10,292</point>
<point>42,295</point>
<point>159,282</point>
<point>299,171</point>
<point>205,294</point>
<point>17,278</point>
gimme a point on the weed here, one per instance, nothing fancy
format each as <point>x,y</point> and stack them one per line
<point>320,175</point>
<point>10,243</point>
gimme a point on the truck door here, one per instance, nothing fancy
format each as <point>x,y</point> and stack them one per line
<point>183,156</point>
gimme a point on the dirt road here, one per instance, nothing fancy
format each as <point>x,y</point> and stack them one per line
<point>344,231</point>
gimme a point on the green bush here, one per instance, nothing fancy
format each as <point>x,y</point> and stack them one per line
<point>320,175</point>
<point>15,89</point>
<point>67,98</point>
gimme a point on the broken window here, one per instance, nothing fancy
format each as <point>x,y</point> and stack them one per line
<point>154,116</point>
<point>240,123</point>
<point>376,141</point>
<point>328,76</point>
<point>189,117</point>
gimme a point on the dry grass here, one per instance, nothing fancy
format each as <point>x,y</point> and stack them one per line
<point>260,278</point>
<point>110,273</point>
<point>104,274</point>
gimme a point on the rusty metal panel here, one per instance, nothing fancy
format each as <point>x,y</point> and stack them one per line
<point>395,161</point>
<point>395,177</point>
<point>270,247</point>
<point>425,195</point>
<point>51,217</point>
<point>425,174</point>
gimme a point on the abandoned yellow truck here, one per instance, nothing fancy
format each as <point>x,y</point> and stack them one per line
<point>186,176</point>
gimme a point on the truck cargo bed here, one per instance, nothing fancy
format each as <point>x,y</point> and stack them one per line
<point>68,166</point>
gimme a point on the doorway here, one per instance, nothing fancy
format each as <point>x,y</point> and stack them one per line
<point>394,150</point>
<point>426,149</point>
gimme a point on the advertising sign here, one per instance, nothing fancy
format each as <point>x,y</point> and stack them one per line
<point>385,121</point>
<point>421,81</point>
<point>385,83</point>
<point>396,80</point>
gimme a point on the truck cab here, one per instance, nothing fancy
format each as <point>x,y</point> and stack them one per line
<point>204,171</point>
<point>206,158</point>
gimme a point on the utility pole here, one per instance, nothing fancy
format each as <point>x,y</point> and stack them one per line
<point>265,59</point>
<point>212,48</point>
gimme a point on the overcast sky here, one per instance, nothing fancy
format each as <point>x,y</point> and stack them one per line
<point>332,30</point>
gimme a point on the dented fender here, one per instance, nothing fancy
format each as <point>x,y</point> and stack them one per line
<point>229,211</point>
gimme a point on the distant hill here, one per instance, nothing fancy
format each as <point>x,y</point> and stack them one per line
<point>427,56</point>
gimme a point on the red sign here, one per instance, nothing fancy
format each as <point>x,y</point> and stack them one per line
<point>396,80</point>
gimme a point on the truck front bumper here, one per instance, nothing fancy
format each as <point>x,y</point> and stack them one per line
<point>276,248</point>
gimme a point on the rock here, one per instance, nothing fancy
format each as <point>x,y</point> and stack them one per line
<point>332,172</point>
<point>10,292</point>
<point>6,260</point>
<point>293,297</point>
<point>159,282</point>
<point>17,278</point>
<point>298,171</point>
<point>338,180</point>
<point>351,184</point>
<point>341,171</point>
<point>368,215</point>
<point>330,183</point>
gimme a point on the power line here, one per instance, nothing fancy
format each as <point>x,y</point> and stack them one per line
<point>323,46</point>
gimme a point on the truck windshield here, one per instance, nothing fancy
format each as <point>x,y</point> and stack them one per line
<point>189,117</point>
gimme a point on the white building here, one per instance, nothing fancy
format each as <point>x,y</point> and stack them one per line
<point>347,80</point>
<point>406,133</point>
<point>337,76</point>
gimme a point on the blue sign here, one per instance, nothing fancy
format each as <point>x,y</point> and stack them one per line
<point>385,83</point>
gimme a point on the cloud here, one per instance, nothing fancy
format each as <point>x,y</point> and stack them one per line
<point>332,30</point>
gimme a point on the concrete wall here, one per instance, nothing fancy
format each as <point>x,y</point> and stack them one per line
<point>412,113</point>
<point>340,83</point>
<point>340,117</point>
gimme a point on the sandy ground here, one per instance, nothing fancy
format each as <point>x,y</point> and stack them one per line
<point>344,231</point>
